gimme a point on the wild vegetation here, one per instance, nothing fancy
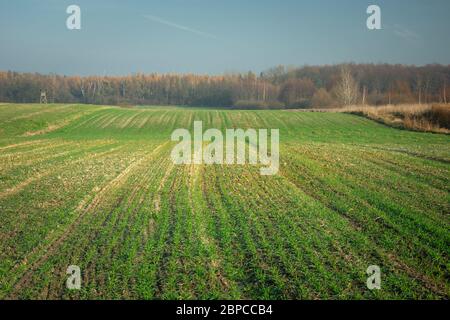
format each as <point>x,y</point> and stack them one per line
<point>423,117</point>
<point>280,87</point>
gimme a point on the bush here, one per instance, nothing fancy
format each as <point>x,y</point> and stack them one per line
<point>440,114</point>
<point>322,99</point>
<point>257,105</point>
<point>300,104</point>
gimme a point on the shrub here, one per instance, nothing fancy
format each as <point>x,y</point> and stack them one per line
<point>301,104</point>
<point>440,114</point>
<point>422,117</point>
<point>322,98</point>
<point>257,105</point>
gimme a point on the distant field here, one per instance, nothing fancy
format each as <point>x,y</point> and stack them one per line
<point>95,187</point>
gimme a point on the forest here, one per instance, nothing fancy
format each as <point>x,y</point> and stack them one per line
<point>277,88</point>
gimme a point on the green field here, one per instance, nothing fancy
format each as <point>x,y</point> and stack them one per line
<point>95,187</point>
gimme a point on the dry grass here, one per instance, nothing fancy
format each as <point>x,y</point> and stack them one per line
<point>424,117</point>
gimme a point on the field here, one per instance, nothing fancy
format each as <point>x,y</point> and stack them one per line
<point>95,187</point>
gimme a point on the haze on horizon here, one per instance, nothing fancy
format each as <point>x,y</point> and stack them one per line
<point>213,37</point>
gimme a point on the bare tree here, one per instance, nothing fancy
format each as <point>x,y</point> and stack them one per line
<point>419,85</point>
<point>444,93</point>
<point>347,88</point>
<point>364,95</point>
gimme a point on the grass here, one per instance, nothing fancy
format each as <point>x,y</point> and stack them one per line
<point>95,187</point>
<point>418,117</point>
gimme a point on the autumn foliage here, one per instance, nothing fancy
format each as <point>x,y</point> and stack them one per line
<point>279,87</point>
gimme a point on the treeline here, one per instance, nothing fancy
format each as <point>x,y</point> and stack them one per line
<point>279,87</point>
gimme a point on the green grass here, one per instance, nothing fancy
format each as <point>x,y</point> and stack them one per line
<point>95,187</point>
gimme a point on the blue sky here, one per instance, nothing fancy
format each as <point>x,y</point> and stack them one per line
<point>217,36</point>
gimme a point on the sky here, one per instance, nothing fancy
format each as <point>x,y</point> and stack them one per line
<point>217,36</point>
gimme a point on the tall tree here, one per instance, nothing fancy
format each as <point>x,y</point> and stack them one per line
<point>347,88</point>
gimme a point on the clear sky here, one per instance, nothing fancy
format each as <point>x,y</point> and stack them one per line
<point>216,36</point>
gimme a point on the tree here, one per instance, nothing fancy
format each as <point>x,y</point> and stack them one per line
<point>347,88</point>
<point>322,98</point>
<point>297,92</point>
<point>295,87</point>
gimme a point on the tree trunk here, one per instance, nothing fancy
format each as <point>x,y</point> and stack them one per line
<point>364,96</point>
<point>445,93</point>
